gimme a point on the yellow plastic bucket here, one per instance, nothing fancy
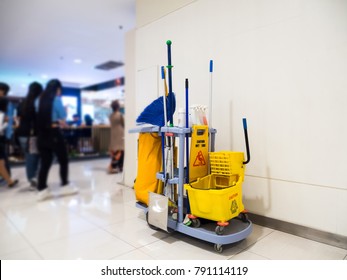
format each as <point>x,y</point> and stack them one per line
<point>218,196</point>
<point>213,203</point>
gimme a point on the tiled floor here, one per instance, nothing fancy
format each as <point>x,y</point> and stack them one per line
<point>102,222</point>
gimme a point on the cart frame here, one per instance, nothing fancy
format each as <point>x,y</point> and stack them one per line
<point>241,228</point>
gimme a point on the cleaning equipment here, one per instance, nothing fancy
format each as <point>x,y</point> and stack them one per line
<point>210,96</point>
<point>219,185</point>
<point>213,197</point>
<point>246,140</point>
<point>187,126</point>
<point>154,112</point>
<point>171,108</point>
<point>187,205</point>
<point>161,110</point>
<point>198,114</point>
<point>218,196</point>
<point>198,166</point>
<point>149,163</point>
<point>165,95</point>
<point>165,117</point>
<point>210,103</point>
<point>169,189</point>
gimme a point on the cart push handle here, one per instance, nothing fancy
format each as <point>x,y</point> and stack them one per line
<point>246,141</point>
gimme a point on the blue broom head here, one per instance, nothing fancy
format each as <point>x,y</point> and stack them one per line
<point>154,112</point>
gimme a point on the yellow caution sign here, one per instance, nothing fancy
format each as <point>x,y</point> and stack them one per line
<point>198,165</point>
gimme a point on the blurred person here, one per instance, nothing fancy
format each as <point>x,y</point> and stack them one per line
<point>3,125</point>
<point>75,120</point>
<point>86,135</point>
<point>73,135</point>
<point>51,116</point>
<point>27,130</point>
<point>117,139</point>
<point>88,120</point>
<point>4,90</point>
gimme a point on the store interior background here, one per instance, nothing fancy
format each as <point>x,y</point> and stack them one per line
<point>280,64</point>
<point>67,40</point>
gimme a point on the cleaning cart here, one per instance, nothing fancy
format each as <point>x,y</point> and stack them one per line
<point>214,198</point>
<point>205,203</point>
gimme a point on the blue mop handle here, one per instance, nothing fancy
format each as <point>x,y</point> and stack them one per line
<point>187,137</point>
<point>244,120</point>
<point>162,73</point>
<point>169,66</point>
<point>187,106</point>
<point>211,66</point>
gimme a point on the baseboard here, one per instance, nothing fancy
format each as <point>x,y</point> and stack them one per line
<point>302,231</point>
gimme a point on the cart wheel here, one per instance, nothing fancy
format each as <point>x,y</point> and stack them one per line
<point>244,217</point>
<point>219,230</point>
<point>151,226</point>
<point>196,223</point>
<point>218,248</point>
<point>170,230</point>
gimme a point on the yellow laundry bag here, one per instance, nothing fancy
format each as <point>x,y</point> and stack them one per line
<point>149,163</point>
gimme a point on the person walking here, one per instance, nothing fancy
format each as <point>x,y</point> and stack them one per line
<point>117,139</point>
<point>50,117</point>
<point>8,131</point>
<point>27,132</point>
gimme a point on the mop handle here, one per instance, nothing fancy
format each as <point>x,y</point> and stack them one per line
<point>164,96</point>
<point>187,106</point>
<point>169,66</point>
<point>246,140</point>
<point>187,137</point>
<point>210,96</point>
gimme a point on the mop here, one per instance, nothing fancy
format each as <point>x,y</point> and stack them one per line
<point>187,149</point>
<point>169,188</point>
<point>165,121</point>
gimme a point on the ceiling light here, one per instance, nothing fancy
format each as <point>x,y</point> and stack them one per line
<point>77,61</point>
<point>44,76</point>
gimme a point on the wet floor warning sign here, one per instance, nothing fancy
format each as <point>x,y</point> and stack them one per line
<point>200,159</point>
<point>198,166</point>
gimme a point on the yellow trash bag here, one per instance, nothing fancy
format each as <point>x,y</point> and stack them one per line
<point>148,165</point>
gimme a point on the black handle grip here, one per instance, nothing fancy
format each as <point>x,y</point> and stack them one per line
<point>247,142</point>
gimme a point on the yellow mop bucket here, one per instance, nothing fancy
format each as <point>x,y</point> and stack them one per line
<point>218,196</point>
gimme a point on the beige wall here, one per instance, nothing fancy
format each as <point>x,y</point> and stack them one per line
<point>151,10</point>
<point>130,163</point>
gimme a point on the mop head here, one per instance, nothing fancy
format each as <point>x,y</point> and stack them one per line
<point>154,112</point>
